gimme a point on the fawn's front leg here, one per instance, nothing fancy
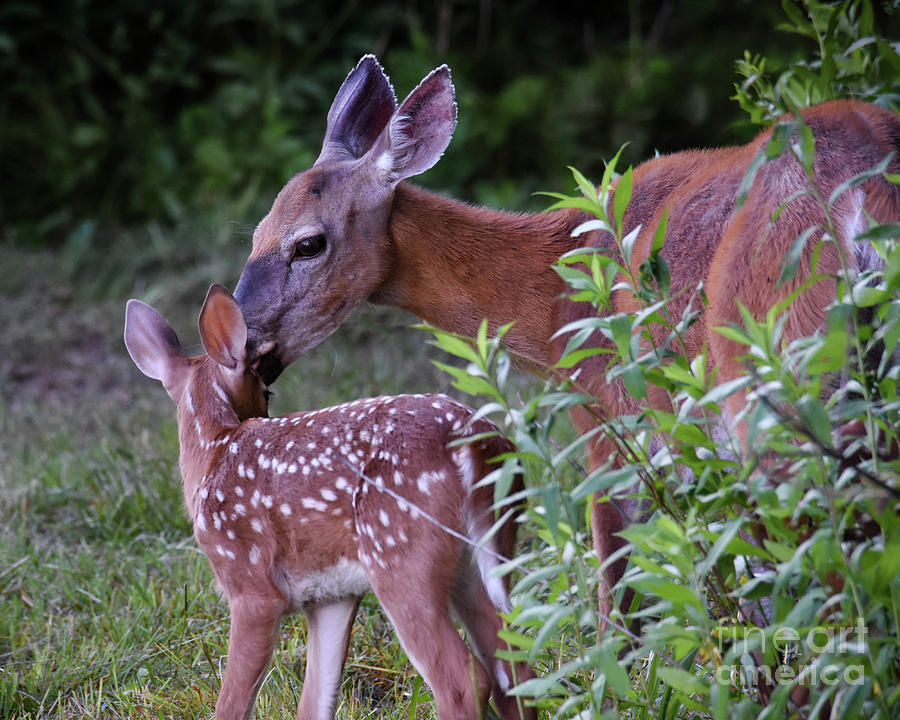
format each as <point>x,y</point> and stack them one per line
<point>254,624</point>
<point>327,641</point>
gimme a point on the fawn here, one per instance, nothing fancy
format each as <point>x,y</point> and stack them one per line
<point>308,512</point>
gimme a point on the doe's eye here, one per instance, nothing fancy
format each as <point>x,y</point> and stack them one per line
<point>308,247</point>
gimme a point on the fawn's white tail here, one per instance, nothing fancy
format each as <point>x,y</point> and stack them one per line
<point>307,512</point>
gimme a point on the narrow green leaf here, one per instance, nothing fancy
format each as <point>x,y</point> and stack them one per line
<point>805,147</point>
<point>615,674</point>
<point>585,185</point>
<point>620,326</point>
<point>683,680</point>
<point>792,256</point>
<point>481,340</point>
<point>610,169</point>
<point>724,390</point>
<point>622,198</point>
<point>888,231</point>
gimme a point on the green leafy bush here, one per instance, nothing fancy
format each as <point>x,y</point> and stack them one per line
<point>766,574</point>
<point>729,626</point>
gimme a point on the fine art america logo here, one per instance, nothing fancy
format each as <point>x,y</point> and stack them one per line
<point>818,656</point>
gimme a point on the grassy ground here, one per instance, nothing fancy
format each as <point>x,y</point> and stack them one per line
<point>107,608</point>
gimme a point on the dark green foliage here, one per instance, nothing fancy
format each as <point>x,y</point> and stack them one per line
<point>117,114</point>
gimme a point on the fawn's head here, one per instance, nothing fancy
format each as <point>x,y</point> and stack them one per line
<point>225,369</point>
<point>325,247</point>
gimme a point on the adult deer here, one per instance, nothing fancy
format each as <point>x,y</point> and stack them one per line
<point>309,511</point>
<point>349,230</point>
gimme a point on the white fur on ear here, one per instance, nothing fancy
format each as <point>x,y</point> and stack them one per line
<point>420,130</point>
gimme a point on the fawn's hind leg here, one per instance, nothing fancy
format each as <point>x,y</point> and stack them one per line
<point>478,615</point>
<point>419,611</point>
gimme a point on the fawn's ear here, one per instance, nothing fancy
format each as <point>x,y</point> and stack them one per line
<point>419,130</point>
<point>223,330</point>
<point>153,344</point>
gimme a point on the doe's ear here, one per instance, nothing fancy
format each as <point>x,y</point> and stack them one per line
<point>152,343</point>
<point>223,330</point>
<point>361,109</point>
<point>420,130</point>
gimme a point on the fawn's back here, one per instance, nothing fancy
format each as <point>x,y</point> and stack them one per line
<point>311,500</point>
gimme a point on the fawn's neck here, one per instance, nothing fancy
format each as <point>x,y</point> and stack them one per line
<point>483,263</point>
<point>206,421</point>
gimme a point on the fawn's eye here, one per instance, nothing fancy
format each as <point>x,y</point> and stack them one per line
<point>308,247</point>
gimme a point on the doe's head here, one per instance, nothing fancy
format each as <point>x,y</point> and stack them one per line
<point>156,350</point>
<point>325,246</point>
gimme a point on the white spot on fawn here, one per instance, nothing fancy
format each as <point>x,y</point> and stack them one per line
<point>314,504</point>
<point>383,516</point>
<point>328,494</point>
<point>426,478</point>
<point>239,491</point>
<point>257,525</point>
<point>254,555</point>
<point>285,509</point>
<point>233,448</point>
<point>220,496</point>
<point>221,393</point>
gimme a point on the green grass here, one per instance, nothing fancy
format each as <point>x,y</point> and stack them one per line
<point>107,608</point>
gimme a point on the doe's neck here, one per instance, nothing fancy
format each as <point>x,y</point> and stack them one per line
<point>454,265</point>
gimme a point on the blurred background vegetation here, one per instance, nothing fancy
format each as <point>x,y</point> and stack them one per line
<point>115,115</point>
